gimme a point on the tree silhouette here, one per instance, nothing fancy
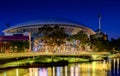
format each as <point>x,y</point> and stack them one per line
<point>82,37</point>
<point>53,35</point>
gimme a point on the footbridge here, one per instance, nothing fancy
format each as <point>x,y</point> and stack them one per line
<point>57,54</point>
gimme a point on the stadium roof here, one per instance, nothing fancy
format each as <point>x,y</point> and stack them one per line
<point>50,21</point>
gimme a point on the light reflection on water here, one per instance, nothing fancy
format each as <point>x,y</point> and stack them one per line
<point>103,68</point>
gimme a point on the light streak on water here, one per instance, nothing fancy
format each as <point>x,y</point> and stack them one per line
<point>17,72</point>
<point>66,72</point>
<point>118,65</point>
<point>94,69</point>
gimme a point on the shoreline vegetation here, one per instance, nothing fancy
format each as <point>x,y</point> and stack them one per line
<point>39,61</point>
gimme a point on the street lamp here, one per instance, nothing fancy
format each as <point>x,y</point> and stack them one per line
<point>4,46</point>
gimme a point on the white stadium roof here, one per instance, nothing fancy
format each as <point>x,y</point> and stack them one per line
<point>48,21</point>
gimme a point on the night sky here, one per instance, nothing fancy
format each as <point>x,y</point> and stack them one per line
<point>83,11</point>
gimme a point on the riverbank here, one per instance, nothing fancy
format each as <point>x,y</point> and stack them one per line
<point>18,61</point>
<point>38,64</point>
<point>41,61</point>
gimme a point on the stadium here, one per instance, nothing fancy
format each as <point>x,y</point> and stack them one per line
<point>69,26</point>
<point>31,28</point>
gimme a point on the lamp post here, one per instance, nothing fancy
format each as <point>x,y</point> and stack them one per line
<point>30,42</point>
<point>4,46</point>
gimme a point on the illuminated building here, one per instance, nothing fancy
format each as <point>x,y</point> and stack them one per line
<point>5,42</point>
<point>31,28</point>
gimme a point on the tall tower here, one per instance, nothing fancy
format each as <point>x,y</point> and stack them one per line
<point>99,33</point>
<point>99,25</point>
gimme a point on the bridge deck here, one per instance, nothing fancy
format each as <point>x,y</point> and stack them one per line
<point>29,54</point>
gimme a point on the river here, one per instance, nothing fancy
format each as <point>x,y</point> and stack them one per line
<point>96,68</point>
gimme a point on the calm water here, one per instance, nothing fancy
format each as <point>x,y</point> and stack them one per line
<point>103,68</point>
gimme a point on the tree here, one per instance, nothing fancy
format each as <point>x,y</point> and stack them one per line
<point>58,35</point>
<point>19,46</point>
<point>115,44</point>
<point>99,44</point>
<point>82,37</point>
<point>53,35</point>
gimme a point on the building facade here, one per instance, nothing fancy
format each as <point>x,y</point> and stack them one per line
<point>31,29</point>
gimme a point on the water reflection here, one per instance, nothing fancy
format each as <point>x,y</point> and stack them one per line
<point>104,68</point>
<point>42,72</point>
<point>115,67</point>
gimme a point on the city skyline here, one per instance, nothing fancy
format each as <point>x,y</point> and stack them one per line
<point>82,11</point>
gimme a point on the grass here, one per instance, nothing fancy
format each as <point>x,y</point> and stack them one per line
<point>42,59</point>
